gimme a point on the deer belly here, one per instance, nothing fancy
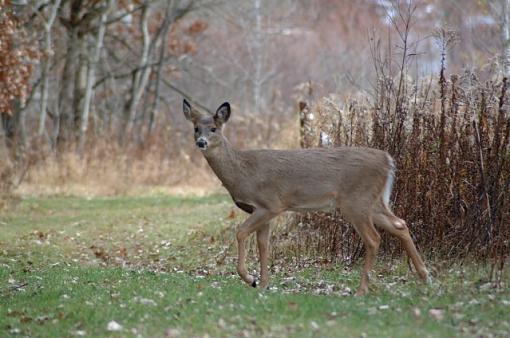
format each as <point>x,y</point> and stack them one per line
<point>318,205</point>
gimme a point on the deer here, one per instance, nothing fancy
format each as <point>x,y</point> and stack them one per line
<point>356,181</point>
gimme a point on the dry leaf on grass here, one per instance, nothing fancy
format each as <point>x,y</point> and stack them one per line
<point>113,326</point>
<point>437,314</point>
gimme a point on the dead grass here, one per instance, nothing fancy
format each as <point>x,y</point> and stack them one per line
<point>450,140</point>
<point>118,175</point>
<point>165,163</point>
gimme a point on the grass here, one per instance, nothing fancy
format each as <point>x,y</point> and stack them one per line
<point>69,266</point>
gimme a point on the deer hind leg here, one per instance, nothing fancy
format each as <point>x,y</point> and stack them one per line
<point>384,218</point>
<point>259,218</point>
<point>371,239</point>
<point>263,245</point>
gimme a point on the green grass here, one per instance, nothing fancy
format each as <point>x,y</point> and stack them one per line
<point>70,265</point>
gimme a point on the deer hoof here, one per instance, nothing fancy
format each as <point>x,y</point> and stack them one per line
<point>264,285</point>
<point>426,277</point>
<point>254,283</point>
<point>362,291</point>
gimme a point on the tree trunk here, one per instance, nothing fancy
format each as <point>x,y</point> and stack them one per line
<point>257,82</point>
<point>46,67</point>
<point>164,38</point>
<point>12,132</point>
<point>142,74</point>
<point>80,83</point>
<point>505,34</point>
<point>66,112</point>
<point>91,69</point>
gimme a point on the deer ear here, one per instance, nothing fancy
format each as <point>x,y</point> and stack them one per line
<point>186,109</point>
<point>223,113</point>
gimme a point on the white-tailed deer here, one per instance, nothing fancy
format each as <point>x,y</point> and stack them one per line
<point>264,183</point>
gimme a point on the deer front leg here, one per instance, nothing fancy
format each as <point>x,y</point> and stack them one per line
<point>252,223</point>
<point>263,245</point>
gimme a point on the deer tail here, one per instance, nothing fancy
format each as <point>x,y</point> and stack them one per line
<point>389,181</point>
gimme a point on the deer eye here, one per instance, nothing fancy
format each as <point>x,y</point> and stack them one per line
<point>196,130</point>
<point>213,130</point>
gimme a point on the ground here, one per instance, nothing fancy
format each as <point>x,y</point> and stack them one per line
<point>161,266</point>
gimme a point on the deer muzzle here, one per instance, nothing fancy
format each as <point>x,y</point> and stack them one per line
<point>202,143</point>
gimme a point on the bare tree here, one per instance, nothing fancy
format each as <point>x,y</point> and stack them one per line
<point>505,34</point>
<point>78,24</point>
<point>48,25</point>
<point>115,70</point>
<point>257,41</point>
<point>91,74</point>
<point>174,11</point>
<point>142,74</point>
<point>160,64</point>
<point>501,12</point>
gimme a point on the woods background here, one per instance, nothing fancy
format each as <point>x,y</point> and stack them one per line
<point>91,92</point>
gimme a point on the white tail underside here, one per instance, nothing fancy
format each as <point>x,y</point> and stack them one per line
<point>389,182</point>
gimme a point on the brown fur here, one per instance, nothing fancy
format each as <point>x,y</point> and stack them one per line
<point>266,183</point>
<point>281,180</point>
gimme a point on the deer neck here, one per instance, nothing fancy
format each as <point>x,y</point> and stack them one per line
<point>224,161</point>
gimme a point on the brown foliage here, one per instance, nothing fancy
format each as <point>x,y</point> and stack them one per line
<point>196,27</point>
<point>16,60</point>
<point>450,140</point>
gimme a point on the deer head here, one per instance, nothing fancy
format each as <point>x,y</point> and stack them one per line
<point>208,128</point>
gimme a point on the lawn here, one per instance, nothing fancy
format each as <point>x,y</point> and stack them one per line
<point>162,266</point>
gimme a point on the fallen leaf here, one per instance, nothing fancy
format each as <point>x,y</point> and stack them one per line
<point>172,333</point>
<point>113,326</point>
<point>437,314</point>
<point>42,319</point>
<point>15,330</point>
<point>15,313</point>
<point>39,234</point>
<point>293,306</point>
<point>146,301</point>
<point>25,319</point>
<point>100,252</point>
<point>123,252</point>
<point>416,313</point>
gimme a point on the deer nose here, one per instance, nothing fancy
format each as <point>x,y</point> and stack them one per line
<point>202,143</point>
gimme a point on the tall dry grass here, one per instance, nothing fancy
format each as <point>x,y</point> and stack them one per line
<point>166,161</point>
<point>450,139</point>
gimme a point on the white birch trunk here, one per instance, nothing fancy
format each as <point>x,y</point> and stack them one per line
<point>46,67</point>
<point>142,75</point>
<point>91,76</point>
<point>164,38</point>
<point>505,34</point>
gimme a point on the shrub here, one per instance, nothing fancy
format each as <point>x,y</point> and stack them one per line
<point>450,140</point>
